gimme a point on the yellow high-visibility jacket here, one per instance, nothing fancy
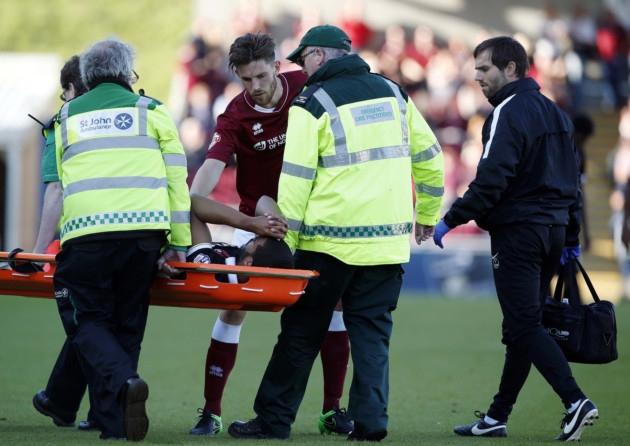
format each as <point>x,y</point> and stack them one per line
<point>122,166</point>
<point>355,141</point>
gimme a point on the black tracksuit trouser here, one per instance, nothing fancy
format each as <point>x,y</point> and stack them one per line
<point>524,259</point>
<point>102,292</point>
<point>67,383</point>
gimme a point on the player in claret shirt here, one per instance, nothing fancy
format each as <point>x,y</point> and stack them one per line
<point>253,128</point>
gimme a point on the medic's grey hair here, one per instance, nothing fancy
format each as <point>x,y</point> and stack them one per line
<point>109,58</point>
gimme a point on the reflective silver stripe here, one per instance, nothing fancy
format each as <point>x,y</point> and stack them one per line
<point>427,154</point>
<point>141,105</point>
<point>64,129</point>
<point>402,105</point>
<point>298,171</point>
<point>180,217</point>
<point>113,218</point>
<point>432,191</point>
<point>174,159</point>
<point>379,153</point>
<point>493,126</point>
<point>114,142</point>
<point>335,120</point>
<point>91,184</point>
<point>294,225</point>
<point>341,156</point>
<point>357,231</point>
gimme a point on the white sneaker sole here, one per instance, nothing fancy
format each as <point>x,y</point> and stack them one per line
<point>586,421</point>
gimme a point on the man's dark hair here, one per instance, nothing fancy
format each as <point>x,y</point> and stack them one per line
<point>251,47</point>
<point>503,50</point>
<point>272,253</point>
<point>71,74</point>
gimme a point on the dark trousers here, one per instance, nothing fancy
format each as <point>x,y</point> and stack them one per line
<point>67,383</point>
<point>102,292</point>
<point>524,260</point>
<point>369,295</point>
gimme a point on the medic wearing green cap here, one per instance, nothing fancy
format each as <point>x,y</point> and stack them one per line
<point>355,142</point>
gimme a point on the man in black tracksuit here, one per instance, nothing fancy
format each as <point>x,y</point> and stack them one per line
<point>526,194</point>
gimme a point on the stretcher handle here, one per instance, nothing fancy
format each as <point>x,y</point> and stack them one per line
<point>28,256</point>
<point>249,270</point>
<point>185,266</point>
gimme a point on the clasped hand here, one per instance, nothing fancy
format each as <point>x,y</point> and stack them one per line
<point>271,225</point>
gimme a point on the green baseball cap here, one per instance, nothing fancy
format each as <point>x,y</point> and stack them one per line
<point>326,36</point>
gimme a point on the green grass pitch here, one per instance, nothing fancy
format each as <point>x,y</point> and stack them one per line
<point>446,360</point>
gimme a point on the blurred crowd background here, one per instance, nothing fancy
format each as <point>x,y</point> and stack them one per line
<point>579,52</point>
<point>579,56</point>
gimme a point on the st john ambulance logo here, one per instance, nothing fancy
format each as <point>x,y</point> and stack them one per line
<point>123,121</point>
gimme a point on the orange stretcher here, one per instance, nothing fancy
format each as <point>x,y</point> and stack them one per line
<point>268,289</point>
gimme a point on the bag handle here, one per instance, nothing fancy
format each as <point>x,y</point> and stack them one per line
<point>557,294</point>
<point>587,280</point>
<point>567,285</point>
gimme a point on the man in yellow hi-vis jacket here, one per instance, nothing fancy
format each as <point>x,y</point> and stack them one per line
<point>126,210</point>
<point>354,140</point>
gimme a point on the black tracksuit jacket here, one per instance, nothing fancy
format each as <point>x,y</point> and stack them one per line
<point>528,173</point>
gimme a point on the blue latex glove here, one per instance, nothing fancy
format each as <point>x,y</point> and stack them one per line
<point>570,252</point>
<point>440,231</point>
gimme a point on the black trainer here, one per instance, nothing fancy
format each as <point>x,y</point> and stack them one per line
<point>334,422</point>
<point>252,430</point>
<point>45,406</point>
<point>87,425</point>
<point>133,397</point>
<point>481,428</point>
<point>375,436</point>
<point>574,423</point>
<point>207,424</point>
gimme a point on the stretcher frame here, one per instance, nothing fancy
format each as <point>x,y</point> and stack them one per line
<point>268,289</point>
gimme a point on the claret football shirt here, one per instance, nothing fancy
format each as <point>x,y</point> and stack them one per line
<point>257,137</point>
